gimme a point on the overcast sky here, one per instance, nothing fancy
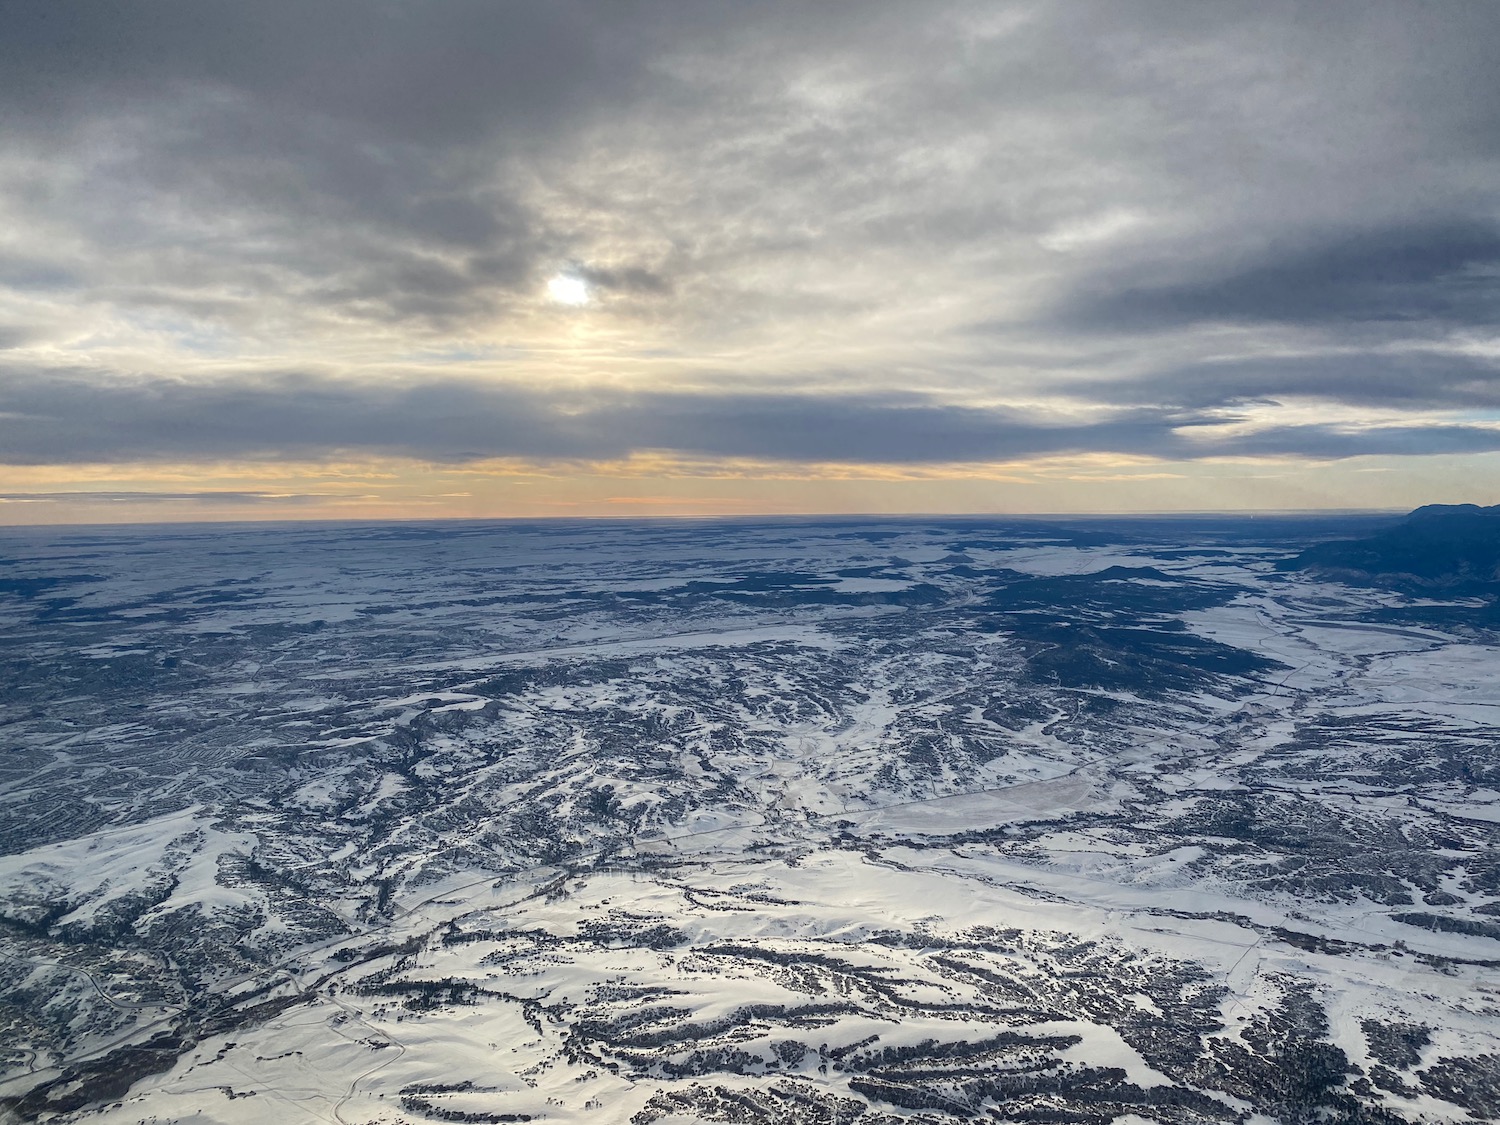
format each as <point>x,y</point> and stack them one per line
<point>422,258</point>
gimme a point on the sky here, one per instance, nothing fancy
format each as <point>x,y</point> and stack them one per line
<point>474,258</point>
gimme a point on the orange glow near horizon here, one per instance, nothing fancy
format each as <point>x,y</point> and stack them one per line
<point>663,487</point>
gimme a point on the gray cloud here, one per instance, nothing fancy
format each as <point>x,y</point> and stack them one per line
<point>421,73</point>
<point>52,420</point>
<point>1325,442</point>
<point>1423,275</point>
<point>1403,380</point>
<point>286,178</point>
<point>352,156</point>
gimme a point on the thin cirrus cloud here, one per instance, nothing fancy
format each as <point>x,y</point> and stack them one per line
<point>873,232</point>
<point>227,497</point>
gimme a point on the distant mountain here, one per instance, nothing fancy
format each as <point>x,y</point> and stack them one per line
<point>1439,548</point>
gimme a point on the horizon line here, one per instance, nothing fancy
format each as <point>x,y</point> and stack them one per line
<point>738,517</point>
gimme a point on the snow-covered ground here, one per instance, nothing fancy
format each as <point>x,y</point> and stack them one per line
<point>855,821</point>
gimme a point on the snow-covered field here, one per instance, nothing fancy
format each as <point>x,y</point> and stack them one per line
<point>853,821</point>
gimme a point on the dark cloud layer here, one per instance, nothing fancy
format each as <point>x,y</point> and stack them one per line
<point>422,73</point>
<point>56,420</point>
<point>1400,381</point>
<point>1191,208</point>
<point>1428,276</point>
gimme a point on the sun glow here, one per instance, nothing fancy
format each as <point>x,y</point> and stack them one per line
<point>568,290</point>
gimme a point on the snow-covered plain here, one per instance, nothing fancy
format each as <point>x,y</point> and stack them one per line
<point>853,821</point>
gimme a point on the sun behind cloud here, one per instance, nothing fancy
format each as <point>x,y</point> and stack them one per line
<point>565,289</point>
<point>957,241</point>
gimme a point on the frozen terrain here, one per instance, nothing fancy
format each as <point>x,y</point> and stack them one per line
<point>860,822</point>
